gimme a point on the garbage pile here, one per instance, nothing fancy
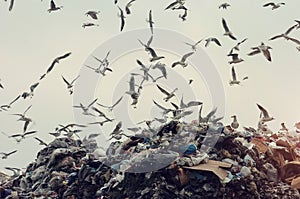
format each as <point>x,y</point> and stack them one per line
<point>175,160</point>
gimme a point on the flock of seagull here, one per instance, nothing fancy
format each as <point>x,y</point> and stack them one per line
<point>155,63</point>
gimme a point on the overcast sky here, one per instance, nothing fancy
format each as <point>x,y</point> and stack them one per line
<point>31,38</point>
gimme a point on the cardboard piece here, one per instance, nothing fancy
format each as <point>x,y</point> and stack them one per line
<point>261,146</point>
<point>296,183</point>
<point>290,170</point>
<point>213,166</point>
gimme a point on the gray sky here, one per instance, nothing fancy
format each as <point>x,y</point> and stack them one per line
<point>31,38</point>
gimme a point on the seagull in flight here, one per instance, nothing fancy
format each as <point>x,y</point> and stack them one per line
<point>224,6</point>
<point>22,136</point>
<point>262,48</point>
<point>133,94</point>
<point>53,7</point>
<point>273,5</point>
<point>169,95</point>
<point>86,108</point>
<point>235,58</point>
<point>189,104</point>
<point>182,62</point>
<point>194,48</point>
<point>265,117</point>
<point>110,108</point>
<point>176,3</point>
<point>227,31</point>
<point>5,155</point>
<point>56,61</point>
<point>121,15</point>
<point>92,14</point>
<point>212,39</point>
<point>234,78</point>
<point>150,21</point>
<point>237,46</point>
<point>70,85</point>
<point>285,34</point>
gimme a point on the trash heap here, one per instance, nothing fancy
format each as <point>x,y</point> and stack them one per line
<point>174,160</point>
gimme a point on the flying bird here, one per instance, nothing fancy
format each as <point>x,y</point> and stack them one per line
<point>57,60</point>
<point>169,95</point>
<point>194,48</point>
<point>185,13</point>
<point>162,68</point>
<point>154,56</point>
<point>5,155</point>
<point>227,31</point>
<point>237,46</point>
<point>70,85</point>
<point>133,94</point>
<point>92,14</point>
<point>235,58</point>
<point>212,39</point>
<point>121,15</point>
<point>176,3</point>
<point>41,142</point>
<point>273,5</point>
<point>182,62</point>
<point>127,7</point>
<point>22,136</point>
<point>262,48</point>
<point>89,25</point>
<point>189,104</point>
<point>110,108</point>
<point>234,78</point>
<point>285,34</point>
<point>86,108</point>
<point>265,117</point>
<point>31,93</point>
<point>224,6</point>
<point>150,21</point>
<point>53,7</point>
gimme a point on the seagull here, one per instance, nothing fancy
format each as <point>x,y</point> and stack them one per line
<point>92,14</point>
<point>101,114</point>
<point>53,7</point>
<point>154,56</point>
<point>104,61</point>
<point>5,155</point>
<point>117,130</point>
<point>273,5</point>
<point>182,61</point>
<point>284,35</point>
<point>41,142</point>
<point>56,61</point>
<point>236,47</point>
<point>235,58</point>
<point>212,39</point>
<point>150,21</point>
<point>189,104</point>
<point>224,5</point>
<point>193,45</point>
<point>162,68</point>
<point>133,94</point>
<point>148,43</point>
<point>121,15</point>
<point>128,5</point>
<point>185,13</point>
<point>208,117</point>
<point>89,25</point>
<point>30,94</point>
<point>227,31</point>
<point>22,115</point>
<point>169,95</point>
<point>70,85</point>
<point>110,108</point>
<point>234,79</point>
<point>165,110</point>
<point>102,122</point>
<point>264,114</point>
<point>22,136</point>
<point>262,48</point>
<point>5,107</point>
<point>86,108</point>
<point>234,123</point>
<point>283,127</point>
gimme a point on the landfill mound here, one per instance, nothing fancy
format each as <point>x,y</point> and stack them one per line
<point>180,160</point>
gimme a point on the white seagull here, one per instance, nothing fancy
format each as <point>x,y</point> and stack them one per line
<point>182,62</point>
<point>265,117</point>
<point>194,48</point>
<point>262,48</point>
<point>234,78</point>
<point>227,31</point>
<point>273,5</point>
<point>70,85</point>
<point>53,7</point>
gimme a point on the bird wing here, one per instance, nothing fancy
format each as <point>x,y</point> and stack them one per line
<point>131,84</point>
<point>175,64</point>
<point>75,79</point>
<point>92,102</point>
<point>41,141</point>
<point>152,52</point>
<point>97,110</point>
<point>159,106</point>
<point>269,4</point>
<point>276,37</point>
<point>51,67</point>
<point>11,152</point>
<point>254,52</point>
<point>90,67</point>
<point>294,40</point>
<point>267,54</point>
<point>263,110</point>
<point>290,29</point>
<point>182,104</point>
<point>233,74</point>
<point>171,5</point>
<point>65,81</point>
<point>52,5</point>
<point>193,103</point>
<point>117,102</point>
<point>93,15</point>
<point>14,100</point>
<point>186,56</point>
<point>150,40</point>
<point>27,109</point>
<point>232,37</point>
<point>225,25</point>
<point>64,56</point>
<point>216,41</point>
<point>26,125</point>
<point>140,63</point>
<point>210,114</point>
<point>30,132</point>
<point>162,90</point>
<point>11,5</point>
<point>242,41</point>
<point>122,18</point>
